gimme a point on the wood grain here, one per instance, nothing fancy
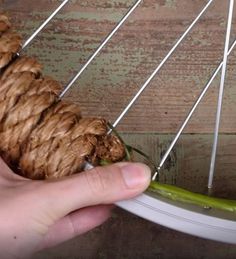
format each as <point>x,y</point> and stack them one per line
<point>125,63</point>
<point>116,74</point>
<point>114,77</point>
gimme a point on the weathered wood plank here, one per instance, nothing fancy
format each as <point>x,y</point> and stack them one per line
<point>113,78</point>
<point>107,86</point>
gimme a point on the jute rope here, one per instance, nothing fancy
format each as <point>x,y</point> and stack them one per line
<point>10,41</point>
<point>41,136</point>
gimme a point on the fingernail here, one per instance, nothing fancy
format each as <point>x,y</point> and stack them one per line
<point>136,175</point>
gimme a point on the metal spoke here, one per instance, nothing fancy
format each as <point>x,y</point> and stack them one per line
<point>189,116</point>
<point>73,80</point>
<point>221,93</point>
<point>160,66</point>
<point>31,38</point>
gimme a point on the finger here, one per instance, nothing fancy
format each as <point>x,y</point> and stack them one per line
<point>102,185</point>
<point>75,224</point>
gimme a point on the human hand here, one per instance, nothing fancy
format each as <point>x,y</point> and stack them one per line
<point>35,215</point>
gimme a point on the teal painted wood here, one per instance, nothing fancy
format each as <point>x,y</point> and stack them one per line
<point>110,82</point>
<point>116,74</point>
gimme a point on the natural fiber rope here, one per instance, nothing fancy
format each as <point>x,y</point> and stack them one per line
<point>10,41</point>
<point>40,135</point>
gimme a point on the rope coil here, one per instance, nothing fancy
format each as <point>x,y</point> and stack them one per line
<point>42,136</point>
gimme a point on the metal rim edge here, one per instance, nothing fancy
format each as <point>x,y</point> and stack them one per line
<point>181,219</point>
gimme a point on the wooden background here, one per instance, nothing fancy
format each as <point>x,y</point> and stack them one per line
<point>114,77</point>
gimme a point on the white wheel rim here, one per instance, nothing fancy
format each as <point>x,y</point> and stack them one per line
<point>183,219</point>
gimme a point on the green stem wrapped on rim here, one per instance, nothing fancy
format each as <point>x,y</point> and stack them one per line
<point>179,194</point>
<point>173,192</point>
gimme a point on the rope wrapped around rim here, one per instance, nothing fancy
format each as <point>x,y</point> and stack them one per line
<point>10,41</point>
<point>43,137</point>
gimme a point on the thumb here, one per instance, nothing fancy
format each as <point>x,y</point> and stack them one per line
<point>101,185</point>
